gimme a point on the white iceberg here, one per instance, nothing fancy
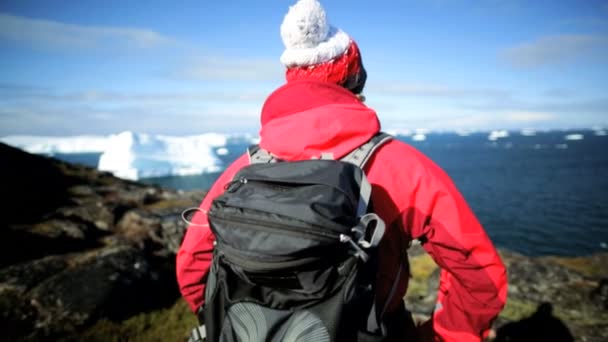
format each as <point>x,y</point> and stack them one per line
<point>222,151</point>
<point>574,137</point>
<point>464,132</point>
<point>419,137</point>
<point>528,132</point>
<point>498,134</point>
<point>133,156</point>
<point>52,145</point>
<point>398,132</point>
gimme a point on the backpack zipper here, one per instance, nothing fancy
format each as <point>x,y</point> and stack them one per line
<point>235,184</point>
<point>311,229</point>
<point>233,256</point>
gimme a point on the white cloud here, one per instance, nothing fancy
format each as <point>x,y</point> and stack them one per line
<point>105,113</point>
<point>233,69</point>
<point>53,34</point>
<point>22,93</point>
<point>556,49</point>
<point>431,90</point>
<point>529,116</point>
<point>411,89</point>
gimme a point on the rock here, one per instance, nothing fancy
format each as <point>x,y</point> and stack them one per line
<point>17,318</point>
<point>64,260</point>
<point>103,283</point>
<point>27,275</point>
<point>574,288</point>
<point>540,326</point>
<point>21,243</point>
<point>92,213</point>
<point>160,224</point>
<point>599,295</point>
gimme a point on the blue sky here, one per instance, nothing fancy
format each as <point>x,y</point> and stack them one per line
<point>190,67</point>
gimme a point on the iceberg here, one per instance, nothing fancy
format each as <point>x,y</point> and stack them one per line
<point>52,145</point>
<point>495,135</point>
<point>464,132</point>
<point>600,133</point>
<point>528,132</point>
<point>133,156</point>
<point>573,137</point>
<point>419,137</point>
<point>399,132</point>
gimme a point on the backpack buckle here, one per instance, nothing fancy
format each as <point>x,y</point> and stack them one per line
<point>360,231</point>
<point>359,252</point>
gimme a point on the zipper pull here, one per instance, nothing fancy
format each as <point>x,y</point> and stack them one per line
<point>235,184</point>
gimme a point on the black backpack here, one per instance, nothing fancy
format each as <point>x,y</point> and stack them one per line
<point>295,252</point>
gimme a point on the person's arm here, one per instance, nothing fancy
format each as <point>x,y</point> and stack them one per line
<point>195,253</point>
<point>473,281</point>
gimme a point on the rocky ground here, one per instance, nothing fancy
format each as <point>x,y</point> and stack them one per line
<point>78,245</point>
<point>86,256</point>
<point>549,298</point>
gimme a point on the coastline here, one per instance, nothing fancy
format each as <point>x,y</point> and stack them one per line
<point>88,255</point>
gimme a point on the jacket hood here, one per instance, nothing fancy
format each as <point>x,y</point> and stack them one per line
<point>303,119</point>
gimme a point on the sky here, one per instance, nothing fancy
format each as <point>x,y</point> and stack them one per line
<point>76,67</point>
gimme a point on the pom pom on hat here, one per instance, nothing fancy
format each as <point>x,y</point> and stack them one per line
<point>308,38</point>
<point>316,50</point>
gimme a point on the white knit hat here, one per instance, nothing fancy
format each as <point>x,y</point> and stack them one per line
<point>308,38</point>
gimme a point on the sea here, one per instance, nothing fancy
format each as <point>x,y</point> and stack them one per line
<point>536,193</point>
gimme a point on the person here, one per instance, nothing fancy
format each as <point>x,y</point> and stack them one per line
<point>320,110</point>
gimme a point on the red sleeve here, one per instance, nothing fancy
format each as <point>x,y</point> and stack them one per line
<point>195,253</point>
<point>473,282</point>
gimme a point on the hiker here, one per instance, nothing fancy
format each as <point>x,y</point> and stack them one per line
<point>320,112</point>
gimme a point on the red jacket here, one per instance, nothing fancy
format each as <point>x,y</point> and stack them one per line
<point>412,194</point>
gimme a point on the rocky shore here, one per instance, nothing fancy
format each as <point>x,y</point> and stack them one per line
<point>87,256</point>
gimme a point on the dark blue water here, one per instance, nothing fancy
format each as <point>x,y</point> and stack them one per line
<point>538,195</point>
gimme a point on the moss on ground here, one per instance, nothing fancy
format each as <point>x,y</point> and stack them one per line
<point>593,267</point>
<point>421,268</point>
<point>175,323</point>
<point>516,309</point>
<point>171,324</point>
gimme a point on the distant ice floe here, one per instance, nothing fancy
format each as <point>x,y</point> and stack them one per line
<point>574,137</point>
<point>499,134</point>
<point>419,137</point>
<point>464,132</point>
<point>134,156</point>
<point>399,132</point>
<point>528,132</point>
<point>418,134</point>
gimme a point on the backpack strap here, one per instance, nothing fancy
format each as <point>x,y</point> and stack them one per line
<point>198,334</point>
<point>358,156</point>
<point>258,155</point>
<point>361,155</point>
